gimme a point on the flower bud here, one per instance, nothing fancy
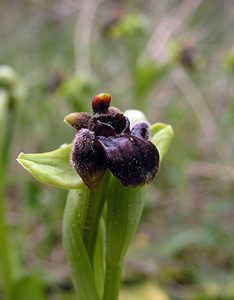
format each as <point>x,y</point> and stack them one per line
<point>8,77</point>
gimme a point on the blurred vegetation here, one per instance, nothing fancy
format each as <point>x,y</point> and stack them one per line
<point>175,61</point>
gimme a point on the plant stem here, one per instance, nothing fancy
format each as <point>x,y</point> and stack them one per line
<point>80,232</point>
<point>96,202</point>
<point>125,207</point>
<point>98,259</point>
<point>75,250</point>
<point>112,281</point>
<point>5,249</point>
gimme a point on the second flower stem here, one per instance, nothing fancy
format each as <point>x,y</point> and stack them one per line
<point>112,281</point>
<point>125,207</point>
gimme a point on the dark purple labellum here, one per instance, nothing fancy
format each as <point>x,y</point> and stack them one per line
<point>132,160</point>
<point>105,141</point>
<point>86,158</point>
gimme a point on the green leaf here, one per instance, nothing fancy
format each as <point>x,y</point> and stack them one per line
<point>52,168</point>
<point>162,135</point>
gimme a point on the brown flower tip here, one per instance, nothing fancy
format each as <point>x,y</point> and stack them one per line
<point>78,120</point>
<point>101,103</point>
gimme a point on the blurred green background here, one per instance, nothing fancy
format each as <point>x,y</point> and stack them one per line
<point>175,61</point>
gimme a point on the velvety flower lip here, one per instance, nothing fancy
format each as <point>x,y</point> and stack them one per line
<point>104,141</point>
<point>87,159</point>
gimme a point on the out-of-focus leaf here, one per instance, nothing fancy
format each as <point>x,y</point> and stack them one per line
<point>191,237</point>
<point>147,291</point>
<point>162,135</point>
<point>52,168</point>
<point>28,287</point>
<point>229,61</point>
<point>76,90</point>
<point>147,74</point>
<point>129,25</point>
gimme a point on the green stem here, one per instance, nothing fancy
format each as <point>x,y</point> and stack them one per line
<point>5,260</point>
<point>112,281</point>
<point>96,201</point>
<point>5,249</point>
<point>125,207</point>
<point>75,250</point>
<point>98,260</point>
<point>82,214</point>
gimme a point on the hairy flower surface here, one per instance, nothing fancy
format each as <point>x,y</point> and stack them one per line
<point>104,141</point>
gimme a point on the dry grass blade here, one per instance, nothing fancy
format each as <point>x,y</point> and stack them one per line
<point>82,36</point>
<point>169,25</point>
<point>195,99</point>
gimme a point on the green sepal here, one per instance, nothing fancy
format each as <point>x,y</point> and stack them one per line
<point>161,136</point>
<point>52,168</point>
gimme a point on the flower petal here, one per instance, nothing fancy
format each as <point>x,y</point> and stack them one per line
<point>141,129</point>
<point>133,160</point>
<point>103,129</point>
<point>87,159</point>
<point>78,120</point>
<point>117,120</point>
